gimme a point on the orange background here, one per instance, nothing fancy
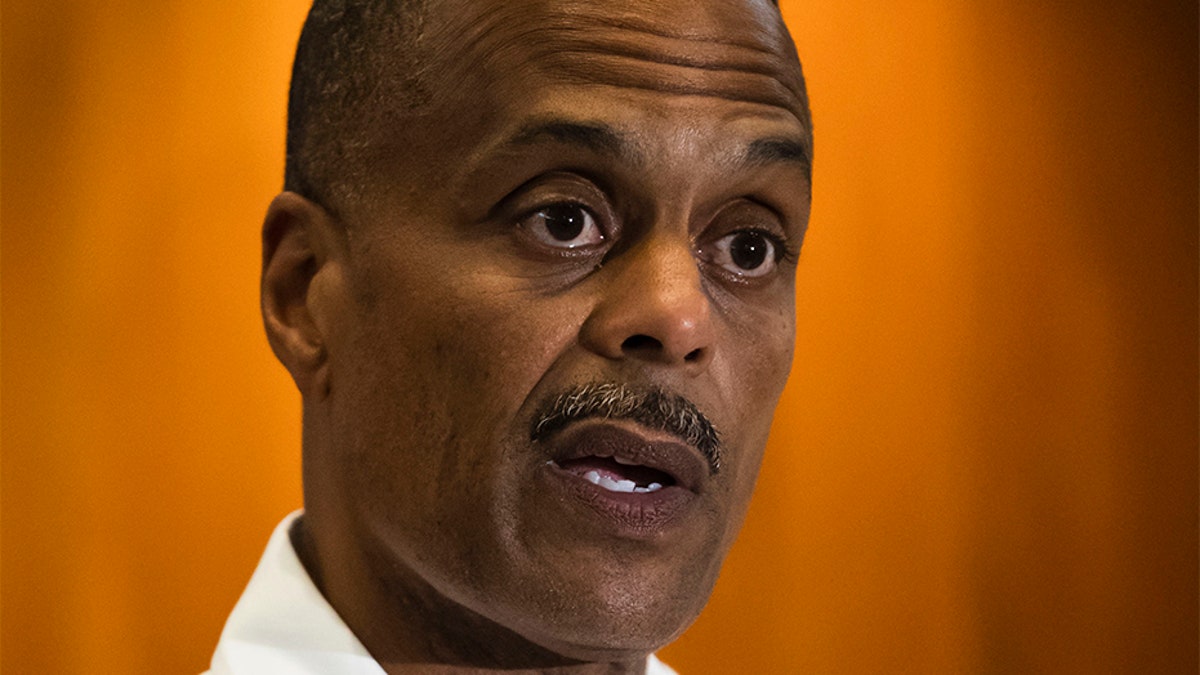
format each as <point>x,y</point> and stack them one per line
<point>986,460</point>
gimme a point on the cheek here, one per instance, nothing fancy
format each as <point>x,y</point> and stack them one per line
<point>758,360</point>
<point>446,370</point>
<point>447,366</point>
<point>496,345</point>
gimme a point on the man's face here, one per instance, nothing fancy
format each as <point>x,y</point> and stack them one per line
<point>607,205</point>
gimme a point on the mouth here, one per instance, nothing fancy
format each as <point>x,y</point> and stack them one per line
<point>618,474</point>
<point>620,460</point>
<point>637,484</point>
<point>649,408</point>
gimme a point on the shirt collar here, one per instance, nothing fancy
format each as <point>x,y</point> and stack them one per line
<point>284,626</point>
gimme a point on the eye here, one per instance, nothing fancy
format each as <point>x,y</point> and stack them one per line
<point>747,253</point>
<point>563,225</point>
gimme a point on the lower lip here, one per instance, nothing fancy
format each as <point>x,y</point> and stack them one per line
<point>632,515</point>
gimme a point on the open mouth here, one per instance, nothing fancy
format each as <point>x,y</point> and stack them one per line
<point>618,474</point>
<point>620,460</point>
<point>631,482</point>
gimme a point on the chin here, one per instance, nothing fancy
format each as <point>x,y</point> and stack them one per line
<point>609,643</point>
<point>616,623</point>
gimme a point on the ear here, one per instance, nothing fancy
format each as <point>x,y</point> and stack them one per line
<point>300,242</point>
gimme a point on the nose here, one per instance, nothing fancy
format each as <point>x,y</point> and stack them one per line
<point>654,308</point>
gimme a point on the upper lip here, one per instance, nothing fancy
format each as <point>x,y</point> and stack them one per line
<point>599,438</point>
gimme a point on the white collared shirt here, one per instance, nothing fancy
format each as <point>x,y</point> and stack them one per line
<point>282,625</point>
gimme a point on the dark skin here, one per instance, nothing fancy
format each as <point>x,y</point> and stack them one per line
<point>618,203</point>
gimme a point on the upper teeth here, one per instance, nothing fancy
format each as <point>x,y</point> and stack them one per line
<point>611,485</point>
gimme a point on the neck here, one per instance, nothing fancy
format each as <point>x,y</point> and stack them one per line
<point>408,627</point>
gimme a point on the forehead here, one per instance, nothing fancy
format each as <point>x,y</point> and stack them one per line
<point>692,83</point>
<point>737,51</point>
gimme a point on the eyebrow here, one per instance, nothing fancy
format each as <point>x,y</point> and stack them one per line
<point>788,150</point>
<point>603,139</point>
<point>599,138</point>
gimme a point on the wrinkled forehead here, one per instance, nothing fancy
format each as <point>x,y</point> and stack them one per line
<point>729,49</point>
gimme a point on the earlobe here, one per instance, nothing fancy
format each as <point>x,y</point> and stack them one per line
<point>297,240</point>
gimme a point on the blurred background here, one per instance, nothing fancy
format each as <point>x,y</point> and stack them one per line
<point>986,459</point>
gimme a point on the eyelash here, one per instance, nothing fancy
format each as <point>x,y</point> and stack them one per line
<point>784,250</point>
<point>602,222</point>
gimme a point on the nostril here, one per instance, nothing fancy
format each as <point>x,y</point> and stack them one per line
<point>693,355</point>
<point>640,342</point>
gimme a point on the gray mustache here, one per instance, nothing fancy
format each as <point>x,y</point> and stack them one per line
<point>652,407</point>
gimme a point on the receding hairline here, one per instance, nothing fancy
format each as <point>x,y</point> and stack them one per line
<point>362,63</point>
<point>346,51</point>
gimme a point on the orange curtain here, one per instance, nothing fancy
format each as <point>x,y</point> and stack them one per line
<point>986,460</point>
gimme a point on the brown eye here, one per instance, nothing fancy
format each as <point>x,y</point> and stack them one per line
<point>748,253</point>
<point>564,225</point>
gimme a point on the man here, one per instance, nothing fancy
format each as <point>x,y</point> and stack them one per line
<point>533,275</point>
